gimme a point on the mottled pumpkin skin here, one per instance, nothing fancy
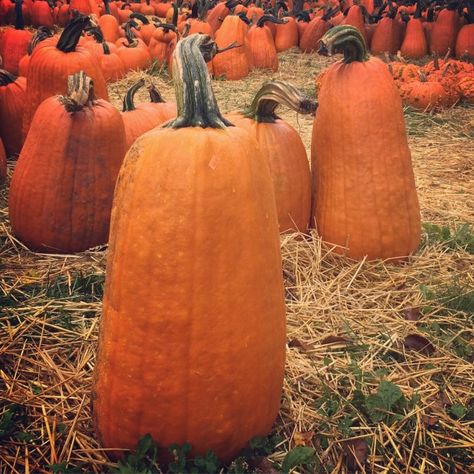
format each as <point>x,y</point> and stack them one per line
<point>289,167</point>
<point>62,188</point>
<point>364,195</point>
<point>192,338</point>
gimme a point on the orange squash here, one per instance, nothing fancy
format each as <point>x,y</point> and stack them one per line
<point>284,150</point>
<point>3,163</point>
<point>62,187</point>
<point>140,118</point>
<point>233,64</point>
<point>364,196</point>
<point>223,322</point>
<point>53,61</point>
<point>261,50</point>
<point>12,107</point>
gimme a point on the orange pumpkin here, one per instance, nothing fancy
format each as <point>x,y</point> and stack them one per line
<point>140,118</point>
<point>62,187</point>
<point>261,51</point>
<point>284,150</point>
<point>3,163</point>
<point>12,108</point>
<point>53,61</point>
<point>233,64</point>
<point>223,384</point>
<point>364,196</point>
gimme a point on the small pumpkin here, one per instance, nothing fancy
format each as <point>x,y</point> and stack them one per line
<point>260,45</point>
<point>425,95</point>
<point>14,41</point>
<point>233,64</point>
<point>141,118</point>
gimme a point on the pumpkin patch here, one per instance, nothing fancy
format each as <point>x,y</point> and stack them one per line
<point>236,236</point>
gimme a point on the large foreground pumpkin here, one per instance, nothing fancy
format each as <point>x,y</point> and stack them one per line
<point>192,338</point>
<point>62,188</point>
<point>364,196</point>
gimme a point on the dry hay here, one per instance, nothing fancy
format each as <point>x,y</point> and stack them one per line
<point>348,324</point>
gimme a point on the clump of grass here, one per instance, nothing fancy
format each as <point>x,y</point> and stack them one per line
<point>460,237</point>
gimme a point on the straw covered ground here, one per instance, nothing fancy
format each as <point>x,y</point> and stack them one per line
<point>379,362</point>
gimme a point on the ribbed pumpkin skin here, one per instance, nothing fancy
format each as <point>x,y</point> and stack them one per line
<point>289,167</point>
<point>12,106</point>
<point>48,72</point>
<point>62,188</point>
<point>364,195</point>
<point>232,64</point>
<point>444,32</point>
<point>313,32</point>
<point>465,42</point>
<point>414,44</point>
<point>386,37</point>
<point>3,163</point>
<point>286,36</point>
<point>197,351</point>
<point>145,117</point>
<point>261,49</point>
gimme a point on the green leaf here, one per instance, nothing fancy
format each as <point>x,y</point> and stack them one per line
<point>389,393</point>
<point>180,454</point>
<point>375,407</point>
<point>458,410</point>
<point>296,457</point>
<point>209,463</point>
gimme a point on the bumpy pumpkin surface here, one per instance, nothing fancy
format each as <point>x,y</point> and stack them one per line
<point>192,338</point>
<point>62,188</point>
<point>364,196</point>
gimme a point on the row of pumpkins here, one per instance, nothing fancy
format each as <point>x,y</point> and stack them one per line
<point>38,206</point>
<point>128,39</point>
<point>194,265</point>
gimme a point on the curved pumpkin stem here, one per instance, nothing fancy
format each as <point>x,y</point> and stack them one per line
<point>72,33</point>
<point>42,33</point>
<point>128,104</point>
<point>96,33</point>
<point>272,19</point>
<point>155,96</point>
<point>6,78</point>
<point>344,39</point>
<point>141,17</point>
<point>197,106</point>
<point>275,93</point>
<point>80,92</point>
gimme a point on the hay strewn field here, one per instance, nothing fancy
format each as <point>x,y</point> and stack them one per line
<point>380,358</point>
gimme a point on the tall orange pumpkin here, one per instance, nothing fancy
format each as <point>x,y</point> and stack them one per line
<point>364,196</point>
<point>62,188</point>
<point>196,354</point>
<point>284,150</point>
